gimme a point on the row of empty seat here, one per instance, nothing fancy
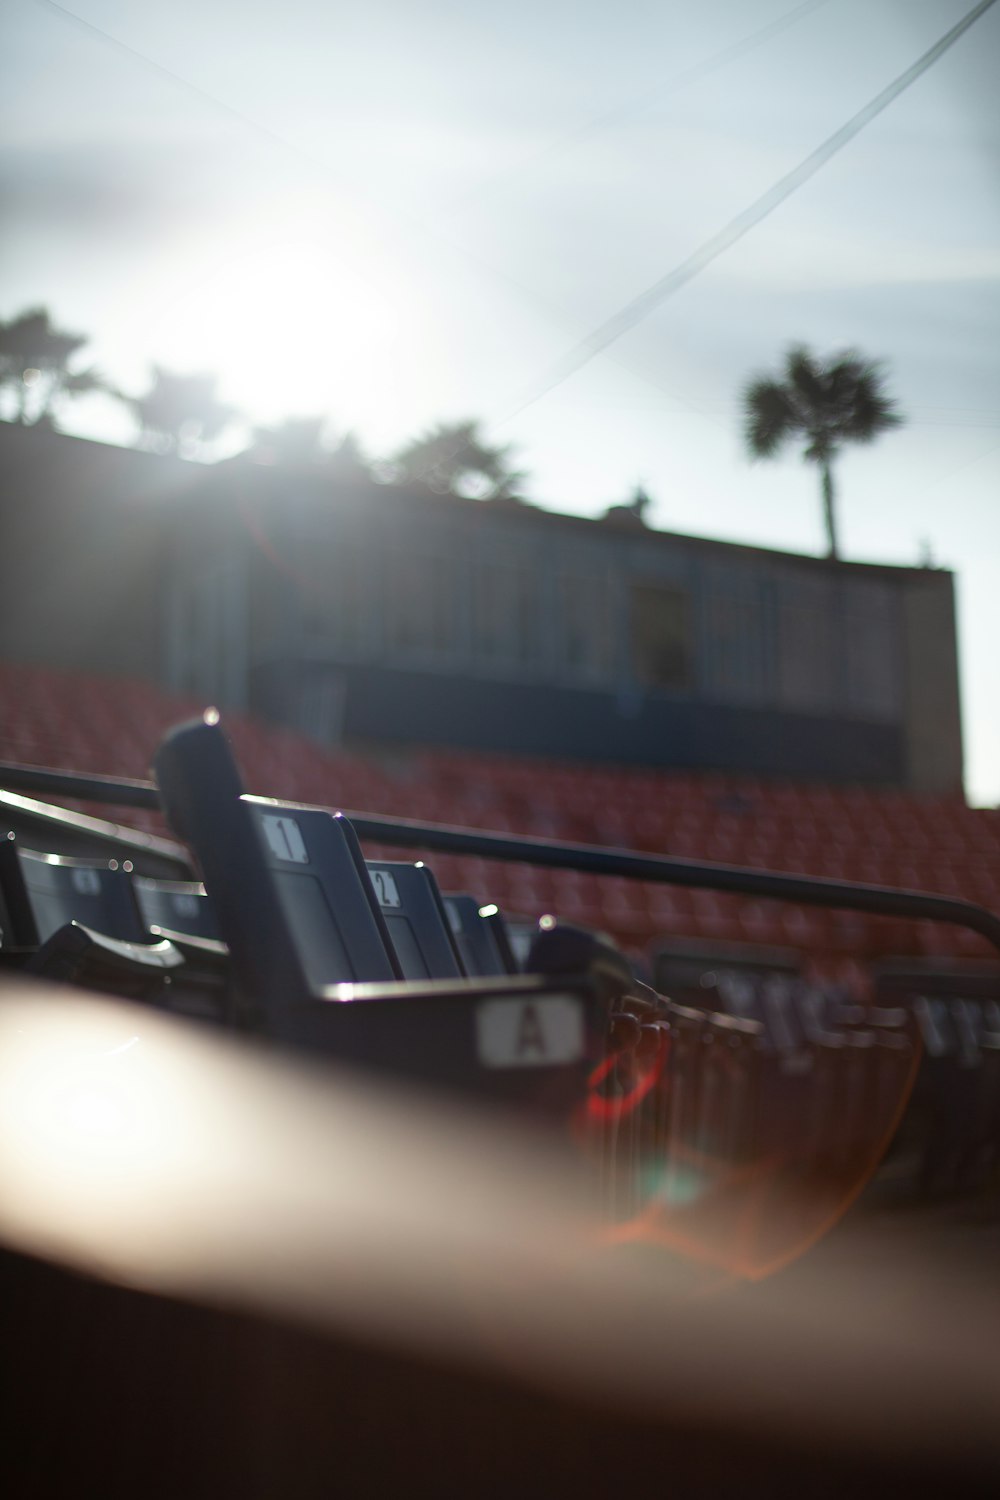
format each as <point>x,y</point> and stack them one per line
<point>297,938</point>
<point>295,935</point>
<point>859,834</point>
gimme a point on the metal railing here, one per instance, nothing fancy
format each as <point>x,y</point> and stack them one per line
<point>876,900</point>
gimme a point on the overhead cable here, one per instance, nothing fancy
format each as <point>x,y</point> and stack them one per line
<point>654,296</point>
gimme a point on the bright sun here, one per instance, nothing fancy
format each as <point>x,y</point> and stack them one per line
<point>288,326</point>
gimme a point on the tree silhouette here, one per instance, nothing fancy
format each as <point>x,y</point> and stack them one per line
<point>348,461</point>
<point>180,413</point>
<point>35,362</point>
<point>453,459</point>
<point>301,440</point>
<point>296,440</point>
<point>826,404</point>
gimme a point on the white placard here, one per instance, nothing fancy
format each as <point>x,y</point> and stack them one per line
<point>184,903</point>
<point>529,1032</point>
<point>87,882</point>
<point>284,839</point>
<point>385,888</point>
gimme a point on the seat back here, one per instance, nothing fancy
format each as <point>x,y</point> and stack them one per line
<point>415,916</point>
<point>43,892</point>
<point>475,935</point>
<point>176,905</point>
<point>292,897</point>
<point>521,932</point>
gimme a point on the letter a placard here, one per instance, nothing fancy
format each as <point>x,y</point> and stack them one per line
<point>534,1032</point>
<point>530,1036</point>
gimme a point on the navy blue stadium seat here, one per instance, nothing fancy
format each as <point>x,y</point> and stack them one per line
<point>477,930</point>
<point>524,1039</point>
<point>42,892</point>
<point>288,884</point>
<point>180,913</point>
<point>415,916</point>
<point>310,947</point>
<point>500,930</point>
<point>80,922</point>
<point>75,954</point>
<point>957,1098</point>
<point>176,906</point>
<point>520,936</point>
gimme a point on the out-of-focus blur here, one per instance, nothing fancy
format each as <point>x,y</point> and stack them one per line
<point>153,1156</point>
<point>389,217</point>
<point>540,1029</point>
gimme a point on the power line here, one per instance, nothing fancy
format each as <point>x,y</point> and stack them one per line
<point>640,307</point>
<point>612,117</point>
<point>968,463</point>
<point>404,223</point>
<point>648,301</point>
<point>143,60</point>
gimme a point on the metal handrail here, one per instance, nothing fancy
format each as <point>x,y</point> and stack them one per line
<point>887,901</point>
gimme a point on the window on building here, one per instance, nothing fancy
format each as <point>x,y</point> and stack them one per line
<point>318,706</point>
<point>734,635</point>
<point>507,618</point>
<point>586,646</point>
<point>871,643</point>
<point>350,586</point>
<point>660,635</point>
<point>421,603</point>
<point>528,605</point>
<point>495,625</point>
<point>809,648</point>
<point>332,590</point>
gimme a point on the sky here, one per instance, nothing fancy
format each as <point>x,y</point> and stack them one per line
<point>414,210</point>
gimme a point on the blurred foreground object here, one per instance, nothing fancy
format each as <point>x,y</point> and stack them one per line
<point>232,1274</point>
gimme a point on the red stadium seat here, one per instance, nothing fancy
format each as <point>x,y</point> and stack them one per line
<point>110,726</point>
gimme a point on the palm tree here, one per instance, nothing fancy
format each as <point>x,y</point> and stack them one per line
<point>452,458</point>
<point>35,360</point>
<point>308,440</point>
<point>825,402</point>
<point>180,413</point>
<point>296,440</point>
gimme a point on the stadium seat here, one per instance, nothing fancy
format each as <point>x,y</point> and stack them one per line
<point>176,905</point>
<point>81,922</point>
<point>74,954</point>
<point>477,935</point>
<point>954,1093</point>
<point>416,919</point>
<point>297,907</point>
<point>795,1116</point>
<point>501,933</point>
<point>732,1074</point>
<point>291,893</point>
<point>42,892</point>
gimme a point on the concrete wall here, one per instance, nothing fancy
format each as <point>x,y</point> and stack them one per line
<point>82,529</point>
<point>378,614</point>
<point>379,704</point>
<point>933,721</point>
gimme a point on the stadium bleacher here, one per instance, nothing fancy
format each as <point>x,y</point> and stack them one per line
<point>885,837</point>
<point>763,1025</point>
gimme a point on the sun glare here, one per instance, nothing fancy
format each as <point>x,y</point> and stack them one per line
<point>288,327</point>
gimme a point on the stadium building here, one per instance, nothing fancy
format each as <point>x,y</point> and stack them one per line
<point>372,614</point>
